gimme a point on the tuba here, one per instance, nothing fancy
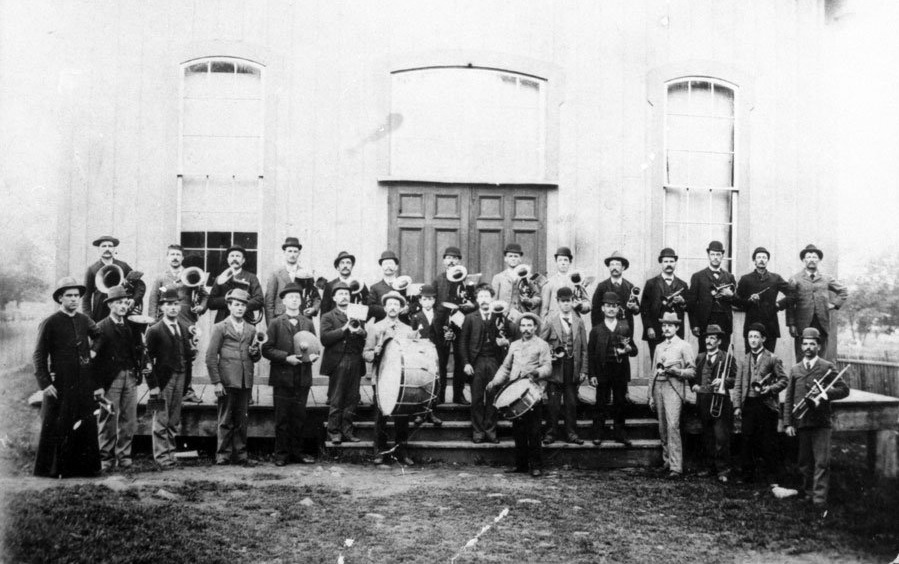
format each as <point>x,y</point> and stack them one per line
<point>108,277</point>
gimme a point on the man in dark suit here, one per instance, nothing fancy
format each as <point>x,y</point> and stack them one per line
<point>342,363</point>
<point>609,368</point>
<point>390,264</point>
<point>716,429</point>
<point>710,297</point>
<point>482,348</point>
<point>344,264</point>
<point>425,322</point>
<point>93,302</point>
<point>168,346</point>
<point>448,292</point>
<point>236,277</point>
<point>622,287</point>
<point>290,376</point>
<point>757,296</point>
<point>814,295</point>
<point>291,273</point>
<point>662,293</point>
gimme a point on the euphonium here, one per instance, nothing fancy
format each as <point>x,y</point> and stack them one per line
<point>456,273</point>
<point>108,277</point>
<point>355,290</point>
<point>401,283</point>
<point>523,271</point>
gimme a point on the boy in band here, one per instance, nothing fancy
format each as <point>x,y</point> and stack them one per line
<point>528,357</point>
<point>390,327</point>
<point>290,376</point>
<point>343,264</point>
<point>560,279</point>
<point>617,283</point>
<point>507,284</point>
<point>566,336</point>
<point>814,428</point>
<point>761,378</point>
<point>229,359</point>
<point>235,277</point>
<point>710,297</point>
<point>117,363</point>
<point>448,291</point>
<point>425,323</point>
<point>661,294</point>
<point>168,346</point>
<point>342,363</point>
<point>291,273</point>
<point>674,367</point>
<point>93,301</point>
<point>608,351</point>
<point>481,347</point>
<point>716,428</point>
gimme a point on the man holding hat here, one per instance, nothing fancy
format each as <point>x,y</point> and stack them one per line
<point>291,273</point>
<point>507,285</point>
<point>290,376</point>
<point>710,371</point>
<point>118,370</point>
<point>710,297</point>
<point>609,366</point>
<point>814,295</point>
<point>757,296</point>
<point>528,357</point>
<point>344,264</point>
<point>760,380</point>
<point>68,440</point>
<point>235,277</point>
<point>229,359</point>
<point>548,302</point>
<point>448,291</point>
<point>564,332</point>
<point>93,302</point>
<point>169,349</point>
<point>814,428</point>
<point>620,286</point>
<point>674,367</point>
<point>390,327</point>
<point>390,264</point>
<point>343,365</point>
<point>661,294</point>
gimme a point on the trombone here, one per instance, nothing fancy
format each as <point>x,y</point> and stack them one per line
<point>720,393</point>
<point>815,396</point>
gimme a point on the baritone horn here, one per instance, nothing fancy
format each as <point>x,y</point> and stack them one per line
<point>456,273</point>
<point>108,277</point>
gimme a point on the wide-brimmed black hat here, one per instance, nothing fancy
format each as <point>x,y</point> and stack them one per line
<point>110,238</point>
<point>810,248</point>
<point>452,252</point>
<point>667,252</point>
<point>716,246</point>
<point>619,257</point>
<point>291,287</point>
<point>389,255</point>
<point>563,252</point>
<point>513,248</point>
<point>292,242</point>
<point>342,255</point>
<point>64,284</point>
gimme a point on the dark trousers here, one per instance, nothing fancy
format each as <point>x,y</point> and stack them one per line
<point>483,414</point>
<point>526,432</point>
<point>232,424</point>
<point>716,434</point>
<point>557,394</point>
<point>759,440</point>
<point>290,415</point>
<point>614,384</point>
<point>188,376</point>
<point>443,353</point>
<point>770,343</point>
<point>343,395</point>
<point>400,433</point>
<point>459,376</point>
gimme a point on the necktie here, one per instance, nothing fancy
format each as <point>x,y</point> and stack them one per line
<point>716,275</point>
<point>808,365</point>
<point>567,326</point>
<point>174,328</point>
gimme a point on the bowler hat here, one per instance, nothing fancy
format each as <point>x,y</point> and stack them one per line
<point>115,293</point>
<point>237,294</point>
<point>617,256</point>
<point>64,284</point>
<point>237,248</point>
<point>393,295</point>
<point>342,255</point>
<point>452,252</point>
<point>667,252</point>
<point>611,298</point>
<point>110,238</point>
<point>758,327</point>
<point>564,293</point>
<point>811,333</point>
<point>810,248</point>
<point>714,330</point>
<point>760,250</point>
<point>670,317</point>
<point>291,287</point>
<point>339,285</point>
<point>717,246</point>
<point>427,291</point>
<point>292,242</point>
<point>169,296</point>
<point>513,248</point>
<point>564,252</point>
<point>389,255</point>
<point>531,316</point>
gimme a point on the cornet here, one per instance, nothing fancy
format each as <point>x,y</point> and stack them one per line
<point>720,393</point>
<point>759,384</point>
<point>718,290</point>
<point>108,277</point>
<point>815,396</point>
<point>456,273</point>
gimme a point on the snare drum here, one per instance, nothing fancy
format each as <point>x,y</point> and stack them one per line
<point>407,376</point>
<point>517,398</point>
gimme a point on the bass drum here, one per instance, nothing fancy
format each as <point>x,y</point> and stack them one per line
<point>406,377</point>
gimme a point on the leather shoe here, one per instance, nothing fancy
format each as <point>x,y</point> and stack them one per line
<point>575,440</point>
<point>418,421</point>
<point>703,473</point>
<point>250,463</point>
<point>434,420</point>
<point>306,459</point>
<point>674,475</point>
<point>335,439</point>
<point>378,460</point>
<point>597,442</point>
<point>477,440</point>
<point>549,439</point>
<point>625,441</point>
<point>406,461</point>
<point>461,401</point>
<point>517,470</point>
<point>350,438</point>
<point>493,440</point>
<point>536,472</point>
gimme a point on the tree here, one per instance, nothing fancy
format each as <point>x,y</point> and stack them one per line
<point>873,304</point>
<point>21,279</point>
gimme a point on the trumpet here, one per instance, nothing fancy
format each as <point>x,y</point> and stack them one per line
<point>401,283</point>
<point>108,277</point>
<point>620,347</point>
<point>456,273</point>
<point>720,393</point>
<point>815,396</point>
<point>195,335</point>
<point>670,301</point>
<point>633,300</point>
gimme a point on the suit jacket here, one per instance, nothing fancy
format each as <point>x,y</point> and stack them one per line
<point>162,348</point>
<point>474,335</point>
<point>767,365</point>
<point>276,282</point>
<point>551,331</point>
<point>228,357</point>
<point>337,342</point>
<point>812,297</point>
<point>651,309</point>
<point>432,331</point>
<point>327,303</point>
<point>704,381</point>
<point>765,311</point>
<point>623,291</point>
<point>279,346</point>
<point>185,295</point>
<point>217,295</point>
<point>92,303</point>
<point>375,310</point>
<point>701,304</point>
<point>598,348</point>
<point>801,382</point>
<point>116,350</point>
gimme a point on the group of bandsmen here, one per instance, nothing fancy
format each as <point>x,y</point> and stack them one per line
<point>520,325</point>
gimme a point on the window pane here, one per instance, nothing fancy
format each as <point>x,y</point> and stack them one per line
<point>247,69</point>
<point>251,261</point>
<point>679,168</point>
<point>215,262</point>
<point>724,101</point>
<point>193,239</point>
<point>701,102</point>
<point>222,66</point>
<point>710,134</point>
<point>678,98</point>
<point>219,240</point>
<point>245,240</point>
<point>197,68</point>
<point>711,170</point>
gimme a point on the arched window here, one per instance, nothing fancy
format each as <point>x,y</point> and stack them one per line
<point>699,179</point>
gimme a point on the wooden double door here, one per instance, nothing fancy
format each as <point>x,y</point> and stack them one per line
<point>480,220</point>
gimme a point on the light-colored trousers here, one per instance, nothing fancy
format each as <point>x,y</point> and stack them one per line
<point>166,422</point>
<point>669,399</point>
<point>116,431</point>
<point>814,462</point>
